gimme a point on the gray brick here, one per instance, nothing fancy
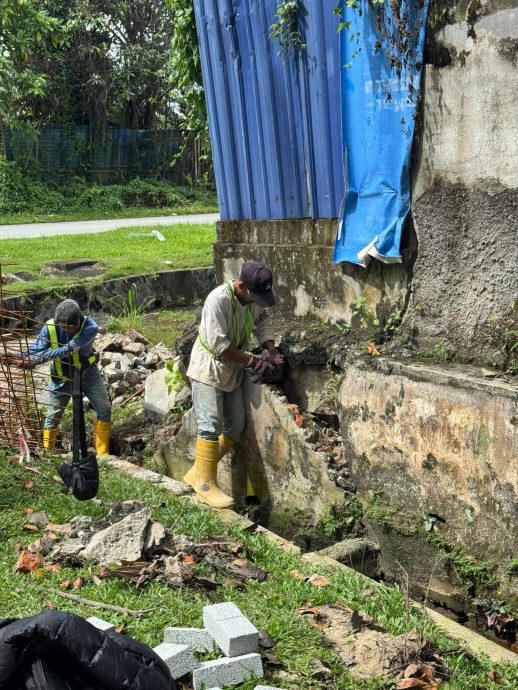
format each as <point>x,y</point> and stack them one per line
<point>218,612</point>
<point>100,624</point>
<point>232,631</point>
<point>178,657</point>
<point>198,639</point>
<point>227,671</point>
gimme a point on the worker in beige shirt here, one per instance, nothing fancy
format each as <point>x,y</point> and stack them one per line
<point>232,313</point>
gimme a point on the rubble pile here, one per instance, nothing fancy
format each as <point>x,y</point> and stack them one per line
<point>127,360</point>
<point>129,544</point>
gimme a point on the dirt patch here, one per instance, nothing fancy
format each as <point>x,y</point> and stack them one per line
<point>369,651</point>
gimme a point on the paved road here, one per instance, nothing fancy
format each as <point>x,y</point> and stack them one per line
<point>79,227</point>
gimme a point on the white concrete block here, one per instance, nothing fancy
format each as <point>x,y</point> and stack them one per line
<point>100,624</point>
<point>179,658</point>
<point>231,630</point>
<point>198,639</point>
<point>227,671</point>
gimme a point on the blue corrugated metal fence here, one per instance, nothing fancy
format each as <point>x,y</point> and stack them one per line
<point>275,123</point>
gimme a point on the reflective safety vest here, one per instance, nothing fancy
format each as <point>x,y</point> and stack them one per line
<point>235,330</point>
<point>54,344</point>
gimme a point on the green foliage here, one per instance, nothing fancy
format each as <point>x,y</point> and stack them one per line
<point>501,334</point>
<point>512,567</point>
<point>185,75</point>
<point>344,521</point>
<point>19,192</point>
<point>173,376</point>
<point>285,30</point>
<point>26,30</point>
<point>365,311</point>
<point>111,67</point>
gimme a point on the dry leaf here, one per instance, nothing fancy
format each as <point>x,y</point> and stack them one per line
<point>411,683</point>
<point>28,562</point>
<point>52,568</point>
<point>298,575</point>
<point>17,547</point>
<point>96,580</point>
<point>373,350</point>
<point>240,562</point>
<point>31,528</point>
<point>318,581</point>
<point>65,584</point>
<point>190,560</point>
<point>495,677</point>
<point>78,583</point>
<point>28,511</point>
<point>120,628</point>
<point>28,484</point>
<point>49,604</point>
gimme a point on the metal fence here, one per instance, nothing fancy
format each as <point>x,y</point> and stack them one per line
<point>117,156</point>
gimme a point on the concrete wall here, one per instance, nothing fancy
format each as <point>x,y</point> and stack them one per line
<point>307,283</point>
<point>272,461</point>
<point>438,440</point>
<point>163,290</point>
<point>465,201</point>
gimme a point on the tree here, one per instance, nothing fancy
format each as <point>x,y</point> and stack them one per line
<point>25,30</point>
<point>113,67</point>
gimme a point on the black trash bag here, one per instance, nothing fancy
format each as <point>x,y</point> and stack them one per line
<point>82,474</point>
<point>61,651</point>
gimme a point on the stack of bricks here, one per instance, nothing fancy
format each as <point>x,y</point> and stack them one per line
<point>224,627</point>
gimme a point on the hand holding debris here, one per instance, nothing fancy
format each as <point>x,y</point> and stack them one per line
<point>275,357</point>
<point>263,371</point>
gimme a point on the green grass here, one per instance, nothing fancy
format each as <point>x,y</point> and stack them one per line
<point>99,214</point>
<point>271,605</point>
<point>161,327</point>
<point>185,246</point>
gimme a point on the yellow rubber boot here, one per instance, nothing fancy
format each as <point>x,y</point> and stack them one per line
<point>225,444</point>
<point>49,438</point>
<point>203,476</point>
<point>103,432</point>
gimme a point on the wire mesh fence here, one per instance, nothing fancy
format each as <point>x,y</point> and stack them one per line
<point>117,156</point>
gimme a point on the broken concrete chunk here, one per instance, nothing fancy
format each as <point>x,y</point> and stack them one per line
<point>155,536</point>
<point>134,348</point>
<point>122,541</point>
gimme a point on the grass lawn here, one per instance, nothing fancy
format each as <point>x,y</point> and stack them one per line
<point>159,327</point>
<point>99,214</point>
<point>185,246</point>
<point>271,605</point>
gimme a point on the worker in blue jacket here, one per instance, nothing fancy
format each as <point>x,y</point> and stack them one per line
<point>69,337</point>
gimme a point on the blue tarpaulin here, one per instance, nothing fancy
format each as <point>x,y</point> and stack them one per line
<point>378,117</point>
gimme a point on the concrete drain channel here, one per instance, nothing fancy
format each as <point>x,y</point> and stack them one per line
<point>280,424</point>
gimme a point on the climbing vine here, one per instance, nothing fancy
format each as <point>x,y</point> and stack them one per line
<point>285,30</point>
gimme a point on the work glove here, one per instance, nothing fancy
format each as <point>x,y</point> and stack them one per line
<point>275,357</point>
<point>262,371</point>
<point>24,363</point>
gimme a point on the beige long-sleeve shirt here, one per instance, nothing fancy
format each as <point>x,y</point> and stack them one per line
<point>215,330</point>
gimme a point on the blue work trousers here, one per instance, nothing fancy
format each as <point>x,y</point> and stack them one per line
<point>94,389</point>
<point>218,412</point>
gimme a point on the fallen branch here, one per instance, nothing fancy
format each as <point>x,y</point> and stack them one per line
<point>42,474</point>
<point>101,605</point>
<point>138,392</point>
